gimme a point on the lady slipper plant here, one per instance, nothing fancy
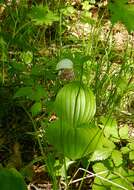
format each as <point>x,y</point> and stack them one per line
<point>72,134</point>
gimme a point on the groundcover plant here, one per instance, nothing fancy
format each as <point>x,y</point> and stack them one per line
<point>66,94</point>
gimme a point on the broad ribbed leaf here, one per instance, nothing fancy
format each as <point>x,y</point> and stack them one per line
<point>74,143</point>
<point>75,104</point>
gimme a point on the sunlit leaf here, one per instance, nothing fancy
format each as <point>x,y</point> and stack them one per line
<point>101,154</point>
<point>26,57</point>
<point>123,132</point>
<point>67,11</point>
<point>131,155</point>
<point>121,10</point>
<point>41,15</point>
<point>131,145</point>
<point>117,157</point>
<point>99,167</point>
<point>125,150</point>
<point>115,180</point>
<point>86,5</point>
<point>110,128</point>
<point>122,85</point>
<point>130,176</point>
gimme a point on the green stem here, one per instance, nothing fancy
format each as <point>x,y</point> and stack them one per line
<point>65,169</point>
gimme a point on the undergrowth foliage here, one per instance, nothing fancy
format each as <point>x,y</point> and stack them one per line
<point>67,94</point>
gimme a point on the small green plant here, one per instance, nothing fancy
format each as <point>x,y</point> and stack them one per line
<point>41,15</point>
<point>116,162</point>
<point>92,115</point>
<point>117,10</point>
<point>75,107</point>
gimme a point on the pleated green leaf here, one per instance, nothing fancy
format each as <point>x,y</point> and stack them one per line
<point>74,143</point>
<point>75,104</point>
